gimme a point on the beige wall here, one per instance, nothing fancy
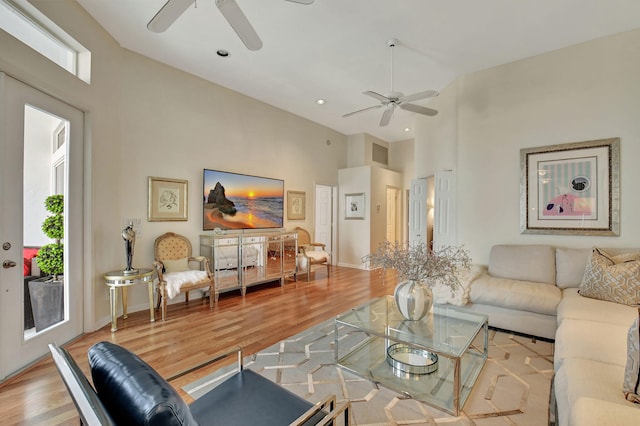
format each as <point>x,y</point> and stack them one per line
<point>357,238</point>
<point>585,92</point>
<point>147,119</point>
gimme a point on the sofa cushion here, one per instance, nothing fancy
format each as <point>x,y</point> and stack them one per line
<point>570,266</point>
<point>523,262</point>
<point>597,412</point>
<point>132,391</point>
<point>631,386</point>
<point>590,340</point>
<point>612,278</point>
<point>574,306</point>
<point>443,294</point>
<point>515,294</point>
<point>599,382</point>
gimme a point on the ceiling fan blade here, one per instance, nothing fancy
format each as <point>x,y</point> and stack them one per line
<point>377,96</point>
<point>302,1</point>
<point>167,15</point>
<point>386,115</point>
<point>419,109</point>
<point>362,110</point>
<point>240,24</point>
<point>420,95</point>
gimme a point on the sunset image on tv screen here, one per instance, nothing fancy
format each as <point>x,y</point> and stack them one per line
<point>237,201</point>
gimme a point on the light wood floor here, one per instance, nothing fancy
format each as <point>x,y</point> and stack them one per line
<point>192,334</point>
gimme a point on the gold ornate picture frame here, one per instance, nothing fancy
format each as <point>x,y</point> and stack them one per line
<point>167,200</point>
<point>296,205</point>
<point>571,189</point>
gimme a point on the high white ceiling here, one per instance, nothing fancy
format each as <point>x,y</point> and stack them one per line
<point>336,49</point>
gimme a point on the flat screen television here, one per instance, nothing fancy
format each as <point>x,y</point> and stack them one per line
<point>238,201</point>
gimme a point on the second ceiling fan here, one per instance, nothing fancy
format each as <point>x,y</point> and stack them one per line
<point>397,99</point>
<point>172,10</point>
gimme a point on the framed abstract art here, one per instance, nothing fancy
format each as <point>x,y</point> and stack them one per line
<point>571,189</point>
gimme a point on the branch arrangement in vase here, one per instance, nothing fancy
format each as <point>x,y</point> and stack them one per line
<point>416,262</point>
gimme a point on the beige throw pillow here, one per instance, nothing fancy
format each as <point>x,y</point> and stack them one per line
<point>631,386</point>
<point>178,265</point>
<point>612,278</point>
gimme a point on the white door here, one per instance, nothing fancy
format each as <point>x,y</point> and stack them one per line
<point>18,348</point>
<point>418,212</point>
<point>323,217</point>
<point>393,214</point>
<point>444,227</point>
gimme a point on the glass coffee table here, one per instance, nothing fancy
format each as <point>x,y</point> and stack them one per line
<point>435,360</point>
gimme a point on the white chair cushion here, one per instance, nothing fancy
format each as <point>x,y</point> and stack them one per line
<point>317,255</point>
<point>175,280</point>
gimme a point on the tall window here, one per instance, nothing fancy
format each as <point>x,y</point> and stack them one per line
<point>26,23</point>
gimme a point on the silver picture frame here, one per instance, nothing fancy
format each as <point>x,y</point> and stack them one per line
<point>571,189</point>
<point>354,206</point>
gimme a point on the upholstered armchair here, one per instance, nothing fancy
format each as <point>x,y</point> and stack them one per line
<point>311,253</point>
<point>173,261</point>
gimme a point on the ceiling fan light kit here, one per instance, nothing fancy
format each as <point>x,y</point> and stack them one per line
<point>397,99</point>
<point>173,9</point>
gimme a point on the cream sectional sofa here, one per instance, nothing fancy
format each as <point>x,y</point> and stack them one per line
<point>533,289</point>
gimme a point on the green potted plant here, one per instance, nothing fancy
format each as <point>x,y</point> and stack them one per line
<point>47,294</point>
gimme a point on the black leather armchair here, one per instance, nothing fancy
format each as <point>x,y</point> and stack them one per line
<point>128,391</point>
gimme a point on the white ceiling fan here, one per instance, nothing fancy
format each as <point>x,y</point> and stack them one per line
<point>395,99</point>
<point>172,10</point>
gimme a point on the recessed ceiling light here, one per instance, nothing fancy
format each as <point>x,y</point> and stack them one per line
<point>223,53</point>
<point>320,101</point>
<point>406,129</point>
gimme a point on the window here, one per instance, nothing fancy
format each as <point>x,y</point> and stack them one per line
<point>59,141</point>
<point>26,23</point>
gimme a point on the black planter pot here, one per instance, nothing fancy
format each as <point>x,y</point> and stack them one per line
<point>47,302</point>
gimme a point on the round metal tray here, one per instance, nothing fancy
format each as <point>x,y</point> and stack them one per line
<point>405,359</point>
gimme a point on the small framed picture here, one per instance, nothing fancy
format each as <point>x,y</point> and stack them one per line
<point>354,206</point>
<point>296,205</point>
<point>167,199</point>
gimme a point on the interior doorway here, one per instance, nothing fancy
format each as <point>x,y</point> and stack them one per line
<point>324,231</point>
<point>394,215</point>
<point>42,140</point>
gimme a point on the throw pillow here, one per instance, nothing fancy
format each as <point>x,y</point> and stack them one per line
<point>612,278</point>
<point>631,386</point>
<point>178,265</point>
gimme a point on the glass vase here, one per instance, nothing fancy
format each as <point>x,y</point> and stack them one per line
<point>413,299</point>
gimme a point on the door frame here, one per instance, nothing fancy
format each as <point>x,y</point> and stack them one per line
<point>16,353</point>
<point>334,212</point>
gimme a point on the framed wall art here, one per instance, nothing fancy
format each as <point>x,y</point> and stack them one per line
<point>296,205</point>
<point>354,206</point>
<point>167,199</point>
<point>571,189</point>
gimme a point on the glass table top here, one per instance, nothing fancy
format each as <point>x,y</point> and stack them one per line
<point>447,330</point>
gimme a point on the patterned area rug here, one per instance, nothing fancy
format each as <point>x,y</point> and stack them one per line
<point>512,389</point>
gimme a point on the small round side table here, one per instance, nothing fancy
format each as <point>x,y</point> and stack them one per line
<point>118,279</point>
